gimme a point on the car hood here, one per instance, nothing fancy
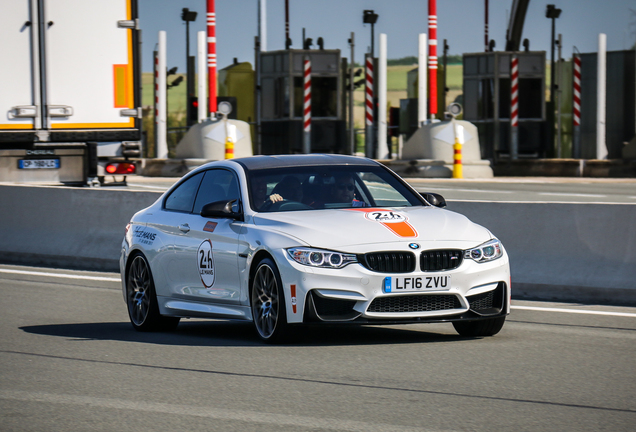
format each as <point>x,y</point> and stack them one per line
<point>337,228</point>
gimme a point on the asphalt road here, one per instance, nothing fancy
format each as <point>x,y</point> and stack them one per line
<point>514,189</point>
<point>70,361</point>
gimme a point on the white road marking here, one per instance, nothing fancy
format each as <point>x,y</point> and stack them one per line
<point>60,275</point>
<point>575,311</point>
<point>107,279</point>
<point>572,194</point>
<point>163,188</point>
<point>539,202</point>
<point>468,190</point>
<point>312,423</point>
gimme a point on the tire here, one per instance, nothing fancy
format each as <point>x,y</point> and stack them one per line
<point>268,303</point>
<point>486,327</point>
<point>141,299</point>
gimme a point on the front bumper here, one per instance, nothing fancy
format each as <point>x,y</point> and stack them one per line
<point>355,294</point>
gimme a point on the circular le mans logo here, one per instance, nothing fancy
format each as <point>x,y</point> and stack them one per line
<point>386,216</point>
<point>205,262</point>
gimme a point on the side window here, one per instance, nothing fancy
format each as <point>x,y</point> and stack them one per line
<point>217,185</point>
<point>182,198</point>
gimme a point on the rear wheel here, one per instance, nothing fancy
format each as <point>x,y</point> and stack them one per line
<point>141,298</point>
<point>486,327</point>
<point>268,302</point>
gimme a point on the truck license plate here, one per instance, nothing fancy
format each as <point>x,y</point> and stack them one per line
<point>38,163</point>
<point>417,283</point>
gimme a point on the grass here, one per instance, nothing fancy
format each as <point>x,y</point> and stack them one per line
<point>176,95</point>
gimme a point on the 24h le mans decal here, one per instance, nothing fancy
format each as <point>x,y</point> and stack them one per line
<point>395,222</point>
<point>205,262</point>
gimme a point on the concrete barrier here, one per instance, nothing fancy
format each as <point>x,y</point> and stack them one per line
<point>566,252</point>
<point>77,228</point>
<point>559,251</point>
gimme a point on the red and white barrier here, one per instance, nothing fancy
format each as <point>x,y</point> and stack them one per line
<point>514,107</point>
<point>211,26</point>
<point>307,107</point>
<point>369,142</point>
<point>369,91</point>
<point>514,92</point>
<point>577,91</point>
<point>432,57</point>
<point>576,107</point>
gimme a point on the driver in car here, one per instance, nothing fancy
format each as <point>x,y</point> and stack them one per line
<point>289,188</point>
<point>344,190</point>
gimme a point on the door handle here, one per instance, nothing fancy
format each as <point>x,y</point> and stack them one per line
<point>184,228</point>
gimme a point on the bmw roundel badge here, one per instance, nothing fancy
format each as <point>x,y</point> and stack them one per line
<point>414,245</point>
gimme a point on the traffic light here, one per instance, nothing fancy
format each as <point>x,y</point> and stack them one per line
<point>176,82</point>
<point>356,84</point>
<point>193,109</point>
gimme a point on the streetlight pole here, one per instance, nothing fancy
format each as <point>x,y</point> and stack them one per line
<point>370,17</point>
<point>553,13</point>
<point>187,15</point>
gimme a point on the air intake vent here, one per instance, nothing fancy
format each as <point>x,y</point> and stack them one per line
<point>389,262</point>
<point>414,303</point>
<point>442,259</point>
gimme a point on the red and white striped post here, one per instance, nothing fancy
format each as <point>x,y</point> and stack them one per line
<point>514,107</point>
<point>432,57</point>
<point>576,109</point>
<point>307,107</point>
<point>368,84</point>
<point>211,24</point>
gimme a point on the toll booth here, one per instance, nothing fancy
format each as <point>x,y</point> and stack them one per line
<point>620,103</point>
<point>236,86</point>
<point>408,123</point>
<point>282,92</point>
<point>486,100</point>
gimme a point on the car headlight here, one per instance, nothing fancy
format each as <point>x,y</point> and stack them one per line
<point>489,251</point>
<point>321,258</point>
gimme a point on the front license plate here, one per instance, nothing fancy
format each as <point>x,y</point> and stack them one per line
<point>38,163</point>
<point>417,283</point>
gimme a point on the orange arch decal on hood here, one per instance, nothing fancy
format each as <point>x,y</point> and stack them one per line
<point>395,222</point>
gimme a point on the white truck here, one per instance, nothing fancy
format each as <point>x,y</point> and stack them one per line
<point>70,90</point>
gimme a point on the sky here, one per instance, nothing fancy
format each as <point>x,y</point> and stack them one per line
<point>461,22</point>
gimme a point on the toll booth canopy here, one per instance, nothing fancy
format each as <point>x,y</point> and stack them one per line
<point>487,102</point>
<point>282,102</point>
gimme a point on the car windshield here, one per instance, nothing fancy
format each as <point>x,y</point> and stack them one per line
<point>327,187</point>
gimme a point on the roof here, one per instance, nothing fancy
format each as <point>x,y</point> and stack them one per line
<point>283,161</point>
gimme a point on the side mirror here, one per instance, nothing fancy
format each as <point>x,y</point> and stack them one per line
<point>434,199</point>
<point>221,209</point>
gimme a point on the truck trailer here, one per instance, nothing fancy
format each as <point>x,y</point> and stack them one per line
<point>70,90</point>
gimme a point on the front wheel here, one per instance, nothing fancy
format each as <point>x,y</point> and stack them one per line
<point>141,298</point>
<point>268,302</point>
<point>486,327</point>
